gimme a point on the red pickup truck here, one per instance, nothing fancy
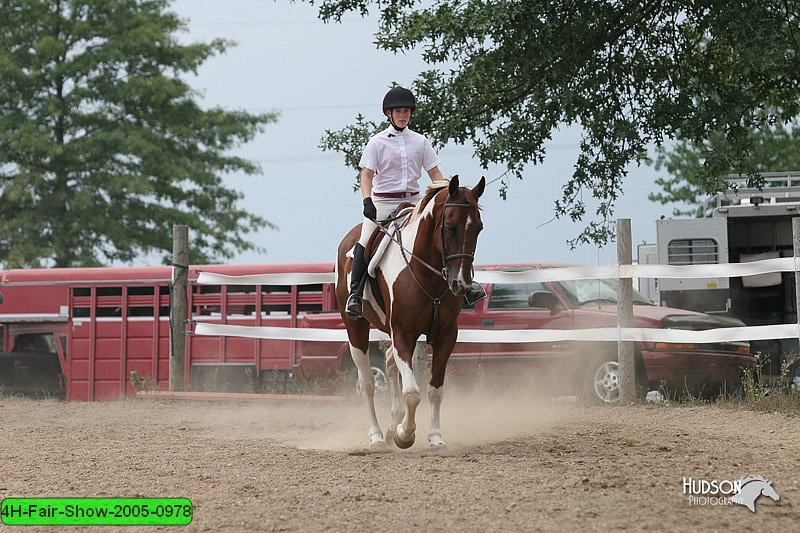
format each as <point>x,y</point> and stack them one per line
<point>702,368</point>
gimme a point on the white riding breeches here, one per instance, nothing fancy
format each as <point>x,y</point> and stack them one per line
<point>385,207</point>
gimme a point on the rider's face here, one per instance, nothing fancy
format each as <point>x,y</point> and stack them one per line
<point>400,116</point>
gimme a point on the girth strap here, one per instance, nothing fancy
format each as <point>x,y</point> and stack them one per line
<point>429,338</point>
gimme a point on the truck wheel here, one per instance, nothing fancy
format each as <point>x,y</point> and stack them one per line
<point>602,379</point>
<point>381,381</point>
<point>378,366</point>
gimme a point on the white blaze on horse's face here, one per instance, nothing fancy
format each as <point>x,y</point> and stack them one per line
<point>461,224</point>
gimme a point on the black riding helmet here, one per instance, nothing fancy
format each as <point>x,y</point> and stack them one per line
<point>398,97</point>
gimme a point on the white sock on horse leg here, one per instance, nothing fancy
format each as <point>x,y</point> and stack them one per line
<point>435,396</point>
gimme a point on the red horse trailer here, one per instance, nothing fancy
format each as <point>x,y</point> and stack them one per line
<point>102,324</point>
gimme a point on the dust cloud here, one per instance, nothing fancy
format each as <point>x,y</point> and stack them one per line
<point>468,418</point>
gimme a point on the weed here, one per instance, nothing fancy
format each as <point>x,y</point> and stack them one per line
<point>251,379</point>
<point>775,394</point>
<point>8,396</point>
<point>142,383</point>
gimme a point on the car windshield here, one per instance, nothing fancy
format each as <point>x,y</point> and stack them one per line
<point>584,291</point>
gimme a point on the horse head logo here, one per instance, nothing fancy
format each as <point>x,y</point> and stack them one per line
<point>752,488</point>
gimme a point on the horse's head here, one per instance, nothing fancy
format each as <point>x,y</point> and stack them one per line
<point>768,490</point>
<point>459,226</point>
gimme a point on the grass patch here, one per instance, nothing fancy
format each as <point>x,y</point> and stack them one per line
<point>757,391</point>
<point>773,394</point>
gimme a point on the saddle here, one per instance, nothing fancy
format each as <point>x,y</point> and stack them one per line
<point>380,239</point>
<point>377,244</point>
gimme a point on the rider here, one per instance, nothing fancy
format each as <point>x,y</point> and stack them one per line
<point>391,166</point>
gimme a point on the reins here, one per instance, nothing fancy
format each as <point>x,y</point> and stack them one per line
<point>436,300</point>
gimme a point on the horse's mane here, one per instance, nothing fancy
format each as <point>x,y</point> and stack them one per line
<point>430,192</point>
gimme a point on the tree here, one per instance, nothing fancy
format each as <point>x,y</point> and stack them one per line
<point>506,73</point>
<point>776,149</point>
<point>102,144</point>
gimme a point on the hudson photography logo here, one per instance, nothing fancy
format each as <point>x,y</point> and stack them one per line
<point>744,491</point>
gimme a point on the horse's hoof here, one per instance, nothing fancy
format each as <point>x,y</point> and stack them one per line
<point>378,446</point>
<point>401,444</point>
<point>438,449</point>
<point>376,440</point>
<point>390,433</point>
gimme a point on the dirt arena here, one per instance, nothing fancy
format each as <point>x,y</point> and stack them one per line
<point>513,464</point>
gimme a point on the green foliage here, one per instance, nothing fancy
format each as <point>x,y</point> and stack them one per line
<point>504,74</point>
<point>351,141</point>
<point>102,145</point>
<point>775,149</point>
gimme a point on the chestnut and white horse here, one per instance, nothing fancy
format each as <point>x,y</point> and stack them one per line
<point>422,278</point>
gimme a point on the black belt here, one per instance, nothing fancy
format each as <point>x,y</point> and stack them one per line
<point>394,194</point>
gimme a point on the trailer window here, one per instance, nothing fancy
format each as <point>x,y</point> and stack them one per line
<point>241,289</point>
<point>309,298</point>
<point>693,252</point>
<point>276,300</point>
<point>206,300</point>
<point>141,291</point>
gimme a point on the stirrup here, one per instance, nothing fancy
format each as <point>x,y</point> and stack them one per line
<point>474,294</point>
<point>354,306</point>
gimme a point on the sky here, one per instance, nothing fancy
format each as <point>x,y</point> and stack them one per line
<point>319,77</point>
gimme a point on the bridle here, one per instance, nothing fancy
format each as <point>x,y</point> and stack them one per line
<point>445,258</point>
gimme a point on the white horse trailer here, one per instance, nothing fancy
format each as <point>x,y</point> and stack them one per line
<point>741,224</point>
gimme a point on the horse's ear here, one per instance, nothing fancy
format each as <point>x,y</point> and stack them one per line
<point>478,189</point>
<point>453,185</point>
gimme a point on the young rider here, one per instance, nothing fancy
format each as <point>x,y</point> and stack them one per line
<point>391,166</point>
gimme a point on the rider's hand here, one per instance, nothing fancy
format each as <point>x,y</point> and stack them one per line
<point>369,209</point>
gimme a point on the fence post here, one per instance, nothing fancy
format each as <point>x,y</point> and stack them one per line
<point>627,372</point>
<point>178,307</point>
<point>796,245</point>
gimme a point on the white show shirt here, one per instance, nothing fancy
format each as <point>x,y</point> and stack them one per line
<point>398,159</point>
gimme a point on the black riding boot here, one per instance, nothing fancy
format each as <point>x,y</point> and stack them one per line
<point>354,306</point>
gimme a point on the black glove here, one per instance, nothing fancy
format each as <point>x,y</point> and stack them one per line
<point>369,209</point>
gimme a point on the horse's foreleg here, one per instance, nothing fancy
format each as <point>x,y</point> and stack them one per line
<point>366,382</point>
<point>404,433</point>
<point>441,353</point>
<point>393,376</point>
<point>435,395</point>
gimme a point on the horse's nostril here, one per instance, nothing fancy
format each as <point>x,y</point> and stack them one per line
<point>457,287</point>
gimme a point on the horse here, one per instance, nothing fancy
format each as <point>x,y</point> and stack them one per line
<point>754,487</point>
<point>421,278</point>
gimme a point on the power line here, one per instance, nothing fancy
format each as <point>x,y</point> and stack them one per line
<point>310,107</point>
<point>291,158</point>
<point>274,22</point>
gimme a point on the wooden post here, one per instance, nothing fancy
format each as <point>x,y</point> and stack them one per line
<point>178,307</point>
<point>627,365</point>
<point>796,244</point>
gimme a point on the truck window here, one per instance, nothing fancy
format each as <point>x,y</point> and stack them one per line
<point>513,295</point>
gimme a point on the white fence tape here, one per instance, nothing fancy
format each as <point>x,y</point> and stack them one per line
<point>294,278</point>
<point>725,270</point>
<point>781,331</point>
<point>277,333</point>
